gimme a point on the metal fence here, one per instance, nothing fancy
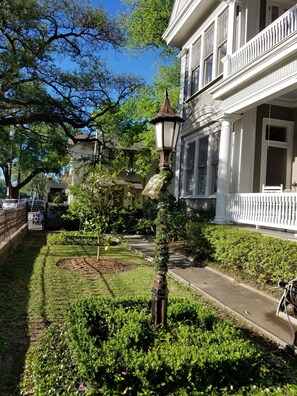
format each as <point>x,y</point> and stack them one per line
<point>11,221</point>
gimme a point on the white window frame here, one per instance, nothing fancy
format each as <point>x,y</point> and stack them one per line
<point>203,56</point>
<point>209,164</point>
<point>195,65</point>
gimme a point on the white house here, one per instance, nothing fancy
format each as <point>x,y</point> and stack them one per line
<point>239,101</point>
<point>87,149</point>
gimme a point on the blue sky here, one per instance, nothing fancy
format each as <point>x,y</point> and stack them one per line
<point>143,65</point>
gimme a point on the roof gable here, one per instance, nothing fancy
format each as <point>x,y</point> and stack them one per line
<point>185,16</point>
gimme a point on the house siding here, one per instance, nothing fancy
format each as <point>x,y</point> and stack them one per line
<point>258,83</point>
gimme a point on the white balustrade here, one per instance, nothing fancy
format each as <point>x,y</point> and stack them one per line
<point>264,42</point>
<point>276,210</point>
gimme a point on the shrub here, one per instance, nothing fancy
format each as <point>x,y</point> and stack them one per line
<point>79,238</point>
<point>109,347</point>
<point>198,243</point>
<point>180,220</point>
<point>56,219</point>
<point>263,259</point>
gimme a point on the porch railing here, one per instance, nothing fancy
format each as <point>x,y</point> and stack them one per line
<point>264,42</point>
<point>276,210</point>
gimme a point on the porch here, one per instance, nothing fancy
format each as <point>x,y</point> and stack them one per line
<point>272,210</point>
<point>263,69</point>
<point>275,39</point>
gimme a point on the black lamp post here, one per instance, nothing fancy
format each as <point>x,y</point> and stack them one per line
<point>166,126</point>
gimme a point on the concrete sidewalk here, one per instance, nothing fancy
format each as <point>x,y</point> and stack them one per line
<point>254,307</point>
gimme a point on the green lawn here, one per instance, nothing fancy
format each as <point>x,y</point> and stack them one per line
<point>51,289</point>
<point>34,293</point>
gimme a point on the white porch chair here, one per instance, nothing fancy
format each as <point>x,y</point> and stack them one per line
<point>272,189</point>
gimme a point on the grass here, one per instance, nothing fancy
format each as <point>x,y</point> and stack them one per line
<point>52,289</point>
<point>34,293</point>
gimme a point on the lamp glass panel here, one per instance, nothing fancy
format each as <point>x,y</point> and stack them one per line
<point>168,133</point>
<point>176,132</point>
<point>159,135</point>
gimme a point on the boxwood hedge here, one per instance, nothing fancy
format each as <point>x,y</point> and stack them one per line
<point>109,347</point>
<point>260,258</point>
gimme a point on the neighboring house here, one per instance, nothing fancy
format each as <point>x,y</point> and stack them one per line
<point>87,149</point>
<point>239,102</point>
<point>53,188</point>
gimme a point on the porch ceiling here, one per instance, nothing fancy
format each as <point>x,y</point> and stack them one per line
<point>289,99</point>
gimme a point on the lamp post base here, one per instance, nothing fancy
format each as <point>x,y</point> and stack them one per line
<point>159,300</point>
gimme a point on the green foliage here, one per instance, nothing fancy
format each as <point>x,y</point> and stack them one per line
<point>79,238</point>
<point>23,156</point>
<point>179,221</point>
<point>130,120</point>
<point>39,89</point>
<point>197,241</point>
<point>109,347</point>
<point>57,219</point>
<point>263,259</point>
<point>52,351</point>
<point>146,22</point>
<point>95,200</point>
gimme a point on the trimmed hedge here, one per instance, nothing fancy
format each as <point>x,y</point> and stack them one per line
<point>109,347</point>
<point>79,238</point>
<point>263,259</point>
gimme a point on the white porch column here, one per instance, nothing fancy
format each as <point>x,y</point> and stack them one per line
<point>223,171</point>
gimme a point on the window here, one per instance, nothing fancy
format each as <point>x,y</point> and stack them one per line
<point>276,133</point>
<point>200,168</point>
<point>222,40</point>
<point>187,88</point>
<point>208,54</point>
<point>202,165</point>
<point>237,28</point>
<point>190,168</point>
<point>215,161</point>
<point>130,162</point>
<point>195,66</point>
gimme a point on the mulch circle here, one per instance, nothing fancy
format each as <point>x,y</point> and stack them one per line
<point>91,266</point>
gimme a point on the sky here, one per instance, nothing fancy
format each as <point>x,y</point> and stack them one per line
<point>143,65</point>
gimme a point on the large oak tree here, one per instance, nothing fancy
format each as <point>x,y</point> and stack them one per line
<point>52,65</point>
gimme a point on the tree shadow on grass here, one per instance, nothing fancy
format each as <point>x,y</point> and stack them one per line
<point>15,275</point>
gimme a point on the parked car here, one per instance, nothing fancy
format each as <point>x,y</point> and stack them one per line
<point>12,203</point>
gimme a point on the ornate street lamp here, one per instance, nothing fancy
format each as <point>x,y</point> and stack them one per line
<point>166,125</point>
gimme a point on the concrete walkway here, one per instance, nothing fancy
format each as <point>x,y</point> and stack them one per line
<point>256,308</point>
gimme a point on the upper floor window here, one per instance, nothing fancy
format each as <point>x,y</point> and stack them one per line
<point>222,40</point>
<point>237,27</point>
<point>206,54</point>
<point>195,66</point>
<point>130,162</point>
